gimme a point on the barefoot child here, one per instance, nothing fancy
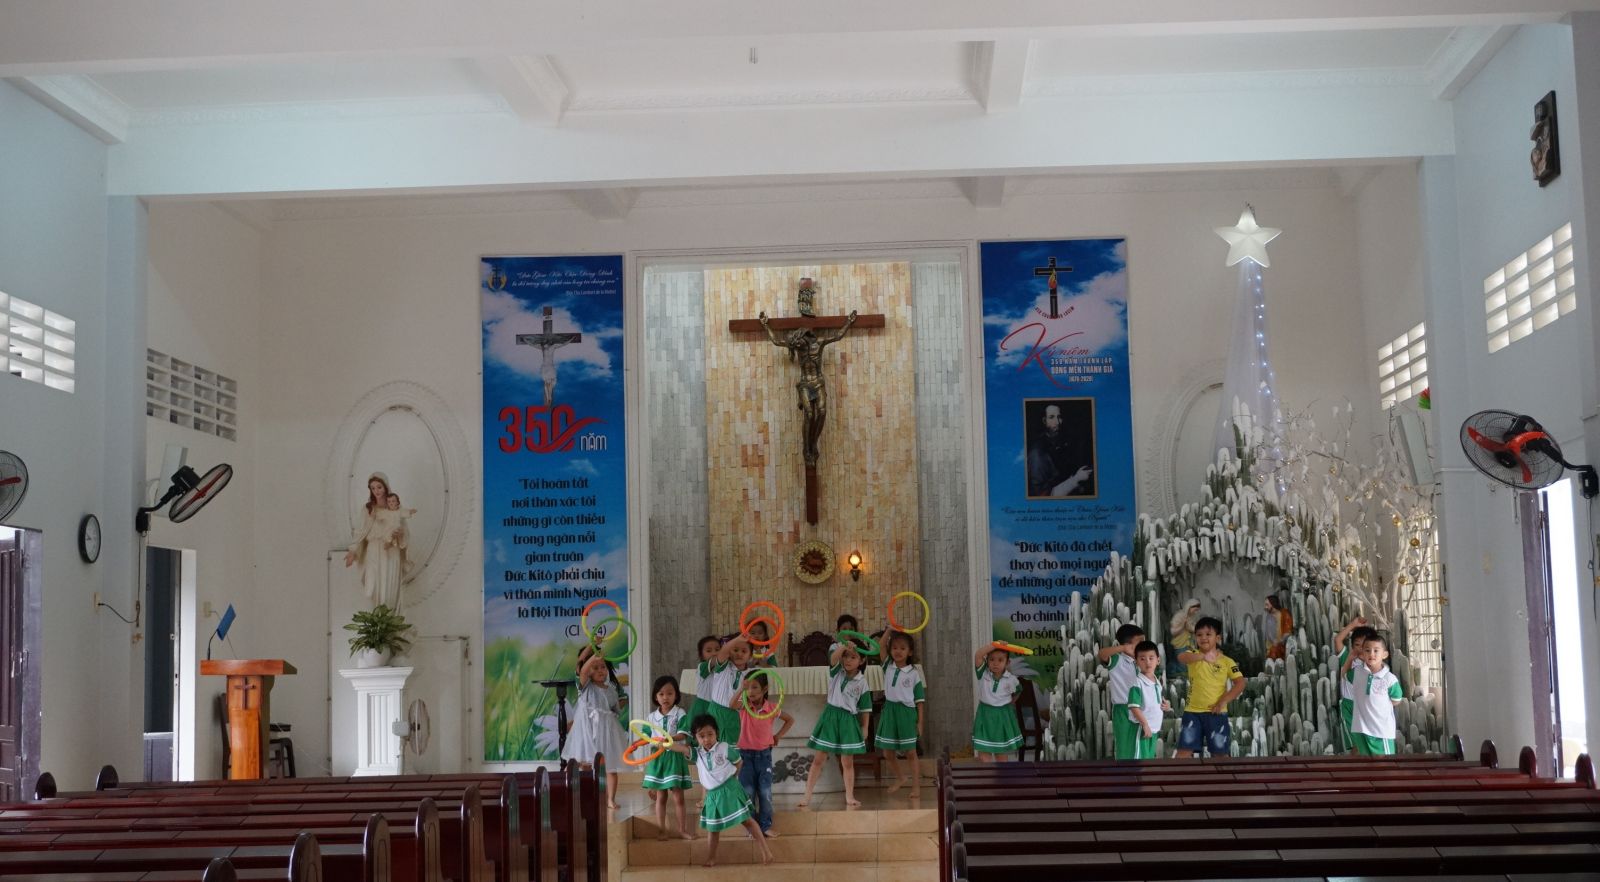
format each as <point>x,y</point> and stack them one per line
<point>731,663</point>
<point>904,698</point>
<point>842,728</point>
<point>995,733</point>
<point>1120,664</point>
<point>595,728</point>
<point>667,776</point>
<point>1145,704</point>
<point>726,807</point>
<point>756,741</point>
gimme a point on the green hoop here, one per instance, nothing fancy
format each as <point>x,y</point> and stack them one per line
<point>875,650</point>
<point>631,645</point>
<point>744,697</point>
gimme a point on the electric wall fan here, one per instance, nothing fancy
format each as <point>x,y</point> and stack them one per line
<point>189,492</point>
<point>1516,451</point>
<point>414,732</point>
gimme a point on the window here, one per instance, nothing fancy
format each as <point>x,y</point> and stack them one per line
<point>37,344</point>
<point>188,395</point>
<point>1421,589</point>
<point>1403,367</point>
<point>1537,287</point>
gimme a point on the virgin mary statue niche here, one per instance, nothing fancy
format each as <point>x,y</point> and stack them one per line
<point>380,548</point>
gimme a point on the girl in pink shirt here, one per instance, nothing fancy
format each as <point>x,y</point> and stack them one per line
<point>756,742</point>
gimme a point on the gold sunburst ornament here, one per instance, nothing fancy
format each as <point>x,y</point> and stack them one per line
<point>813,562</point>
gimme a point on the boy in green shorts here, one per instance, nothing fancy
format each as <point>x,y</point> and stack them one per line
<point>1214,680</point>
<point>1375,691</point>
<point>1119,663</point>
<point>1145,705</point>
<point>1358,632</point>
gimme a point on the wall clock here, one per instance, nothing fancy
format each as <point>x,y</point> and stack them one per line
<point>13,483</point>
<point>89,538</point>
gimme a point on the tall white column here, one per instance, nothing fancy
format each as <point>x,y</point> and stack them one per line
<point>379,705</point>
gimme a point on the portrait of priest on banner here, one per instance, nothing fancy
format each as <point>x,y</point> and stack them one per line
<point>1060,461</point>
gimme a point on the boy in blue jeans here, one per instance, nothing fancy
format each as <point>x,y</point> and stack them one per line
<point>1214,680</point>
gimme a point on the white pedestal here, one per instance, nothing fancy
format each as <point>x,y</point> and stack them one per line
<point>378,708</point>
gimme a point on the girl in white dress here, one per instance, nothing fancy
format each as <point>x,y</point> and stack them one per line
<point>595,728</point>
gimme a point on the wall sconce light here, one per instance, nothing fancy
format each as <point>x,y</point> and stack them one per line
<point>855,565</point>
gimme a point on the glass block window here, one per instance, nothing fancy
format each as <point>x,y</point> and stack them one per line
<point>191,396</point>
<point>1403,367</point>
<point>37,344</point>
<point>1537,287</point>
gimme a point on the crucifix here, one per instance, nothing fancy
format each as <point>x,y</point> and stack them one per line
<point>806,345</point>
<point>1049,269</point>
<point>547,341</point>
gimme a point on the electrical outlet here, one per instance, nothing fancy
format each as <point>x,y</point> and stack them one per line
<point>97,601</point>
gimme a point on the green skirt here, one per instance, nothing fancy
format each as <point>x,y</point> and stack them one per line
<point>726,807</point>
<point>669,771</point>
<point>696,708</point>
<point>837,731</point>
<point>897,727</point>
<point>995,730</point>
<point>727,723</point>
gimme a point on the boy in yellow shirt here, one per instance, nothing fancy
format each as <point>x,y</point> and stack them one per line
<point>1214,680</point>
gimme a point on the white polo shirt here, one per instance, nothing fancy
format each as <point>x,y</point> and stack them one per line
<point>903,685</point>
<point>1374,693</point>
<point>717,765</point>
<point>1146,696</point>
<point>1123,672</point>
<point>996,692</point>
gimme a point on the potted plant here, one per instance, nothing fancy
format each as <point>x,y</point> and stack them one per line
<point>379,634</point>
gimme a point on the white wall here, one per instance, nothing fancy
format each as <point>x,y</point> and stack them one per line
<point>202,306</point>
<point>56,235</point>
<point>351,303</point>
<point>1485,194</point>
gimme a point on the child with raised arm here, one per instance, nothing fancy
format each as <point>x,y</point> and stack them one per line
<point>1358,632</point>
<point>667,776</point>
<point>706,652</point>
<point>732,662</point>
<point>756,740</point>
<point>1214,680</point>
<point>726,807</point>
<point>1146,707</point>
<point>595,727</point>
<point>842,729</point>
<point>1375,691</point>
<point>904,698</point>
<point>995,733</point>
<point>1119,662</point>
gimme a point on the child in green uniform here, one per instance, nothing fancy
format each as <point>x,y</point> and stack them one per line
<point>1146,707</point>
<point>842,728</point>
<point>995,733</point>
<point>726,806</point>
<point>707,651</point>
<point>1375,690</point>
<point>762,656</point>
<point>1119,664</point>
<point>728,670</point>
<point>900,724</point>
<point>668,774</point>
<point>1358,632</point>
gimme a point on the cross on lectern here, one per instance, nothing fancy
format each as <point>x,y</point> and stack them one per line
<point>804,344</point>
<point>1049,269</point>
<point>547,341</point>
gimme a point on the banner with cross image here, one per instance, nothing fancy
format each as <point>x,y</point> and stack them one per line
<point>1059,429</point>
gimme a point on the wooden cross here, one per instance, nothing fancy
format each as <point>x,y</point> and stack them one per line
<point>808,324</point>
<point>1049,269</point>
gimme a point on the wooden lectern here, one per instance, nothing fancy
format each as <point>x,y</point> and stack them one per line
<point>249,696</point>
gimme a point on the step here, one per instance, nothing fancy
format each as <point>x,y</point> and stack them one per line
<point>787,872</point>
<point>795,822</point>
<point>736,848</point>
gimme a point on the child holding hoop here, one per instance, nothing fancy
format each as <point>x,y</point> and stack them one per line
<point>717,764</point>
<point>756,741</point>
<point>842,729</point>
<point>667,776</point>
<point>995,733</point>
<point>728,670</point>
<point>595,727</point>
<point>904,698</point>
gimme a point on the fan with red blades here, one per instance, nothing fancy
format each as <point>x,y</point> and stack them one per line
<point>13,483</point>
<point>188,494</point>
<point>1515,450</point>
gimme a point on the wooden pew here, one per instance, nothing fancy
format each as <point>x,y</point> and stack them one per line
<point>300,862</point>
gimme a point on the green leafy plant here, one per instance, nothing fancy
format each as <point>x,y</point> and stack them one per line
<point>380,629</point>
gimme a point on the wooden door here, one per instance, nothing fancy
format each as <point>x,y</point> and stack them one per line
<point>11,677</point>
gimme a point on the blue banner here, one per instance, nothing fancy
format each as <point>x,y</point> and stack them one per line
<point>555,524</point>
<point>1060,432</point>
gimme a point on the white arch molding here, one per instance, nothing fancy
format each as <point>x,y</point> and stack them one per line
<point>438,444</point>
<point>1161,454</point>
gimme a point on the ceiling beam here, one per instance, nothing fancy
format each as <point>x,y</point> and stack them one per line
<point>531,84</point>
<point>88,36</point>
<point>999,72</point>
<point>1462,55</point>
<point>605,203</point>
<point>82,101</point>
<point>985,193</point>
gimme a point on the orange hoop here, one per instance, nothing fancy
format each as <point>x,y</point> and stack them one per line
<point>627,755</point>
<point>583,618</point>
<point>1012,648</point>
<point>774,627</point>
<point>927,615</point>
<point>760,603</point>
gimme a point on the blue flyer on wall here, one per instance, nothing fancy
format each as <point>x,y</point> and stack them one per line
<point>555,525</point>
<point>1060,431</point>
